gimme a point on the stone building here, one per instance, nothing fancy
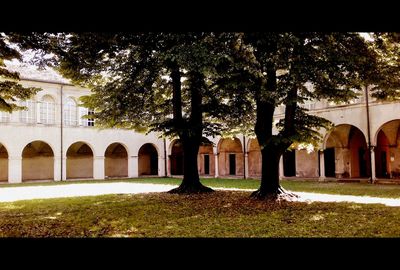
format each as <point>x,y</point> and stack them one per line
<point>50,141</point>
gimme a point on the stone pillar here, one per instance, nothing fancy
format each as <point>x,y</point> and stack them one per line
<point>64,174</point>
<point>168,166</point>
<point>161,162</point>
<point>133,168</point>
<point>246,163</point>
<point>216,167</point>
<point>321,166</point>
<point>98,167</point>
<point>373,170</point>
<point>14,169</point>
<point>281,172</point>
<point>57,168</point>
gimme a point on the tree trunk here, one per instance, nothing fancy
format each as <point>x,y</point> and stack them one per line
<point>270,188</point>
<point>191,180</point>
<point>191,139</point>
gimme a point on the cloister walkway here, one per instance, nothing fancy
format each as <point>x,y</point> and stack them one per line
<point>11,194</point>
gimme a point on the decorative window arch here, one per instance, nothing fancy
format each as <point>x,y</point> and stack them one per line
<point>47,110</point>
<point>70,112</point>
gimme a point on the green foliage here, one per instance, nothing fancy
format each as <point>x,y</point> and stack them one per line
<point>384,81</point>
<point>10,90</point>
<point>271,69</point>
<point>130,76</point>
<point>306,127</point>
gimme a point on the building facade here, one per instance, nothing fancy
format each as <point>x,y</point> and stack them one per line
<point>51,141</point>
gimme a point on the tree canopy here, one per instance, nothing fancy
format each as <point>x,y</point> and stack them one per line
<point>10,90</point>
<point>159,82</point>
<point>272,69</point>
<point>189,85</point>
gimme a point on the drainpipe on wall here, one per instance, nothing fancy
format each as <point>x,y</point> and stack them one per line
<point>61,129</point>
<point>165,158</point>
<point>369,134</point>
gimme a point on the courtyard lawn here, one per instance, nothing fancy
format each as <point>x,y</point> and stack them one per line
<point>357,189</point>
<point>220,214</point>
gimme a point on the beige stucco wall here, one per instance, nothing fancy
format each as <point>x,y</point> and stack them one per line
<point>3,169</point>
<point>16,135</point>
<point>306,163</point>
<point>255,159</point>
<point>38,168</point>
<point>206,150</point>
<point>116,167</point>
<point>144,164</point>
<point>226,147</point>
<point>79,167</point>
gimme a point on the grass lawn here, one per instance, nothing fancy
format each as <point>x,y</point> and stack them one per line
<point>220,214</point>
<point>358,189</point>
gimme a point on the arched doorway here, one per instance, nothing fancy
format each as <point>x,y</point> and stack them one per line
<point>79,161</point>
<point>176,158</point>
<point>205,158</point>
<point>148,160</point>
<point>230,157</point>
<point>346,153</point>
<point>255,158</point>
<point>387,151</point>
<point>3,164</point>
<point>289,163</point>
<point>116,161</point>
<point>37,161</point>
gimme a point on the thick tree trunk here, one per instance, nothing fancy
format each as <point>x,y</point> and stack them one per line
<point>270,188</point>
<point>191,139</point>
<point>191,180</point>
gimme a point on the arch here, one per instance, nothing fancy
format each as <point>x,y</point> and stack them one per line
<point>387,150</point>
<point>79,161</point>
<point>346,152</point>
<point>230,157</point>
<point>205,158</point>
<point>116,161</point>
<point>37,161</point>
<point>148,159</point>
<point>176,158</point>
<point>3,163</point>
<point>255,158</point>
<point>337,128</point>
<point>47,110</point>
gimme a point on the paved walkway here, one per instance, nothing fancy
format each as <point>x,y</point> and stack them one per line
<point>11,194</point>
<point>319,197</point>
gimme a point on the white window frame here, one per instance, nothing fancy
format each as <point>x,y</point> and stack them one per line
<point>70,113</point>
<point>47,112</point>
<point>29,115</point>
<point>5,117</point>
<point>86,122</point>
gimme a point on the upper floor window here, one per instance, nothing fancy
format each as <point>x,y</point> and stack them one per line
<point>87,122</point>
<point>47,110</point>
<point>29,114</point>
<point>70,113</point>
<point>91,120</point>
<point>4,116</point>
